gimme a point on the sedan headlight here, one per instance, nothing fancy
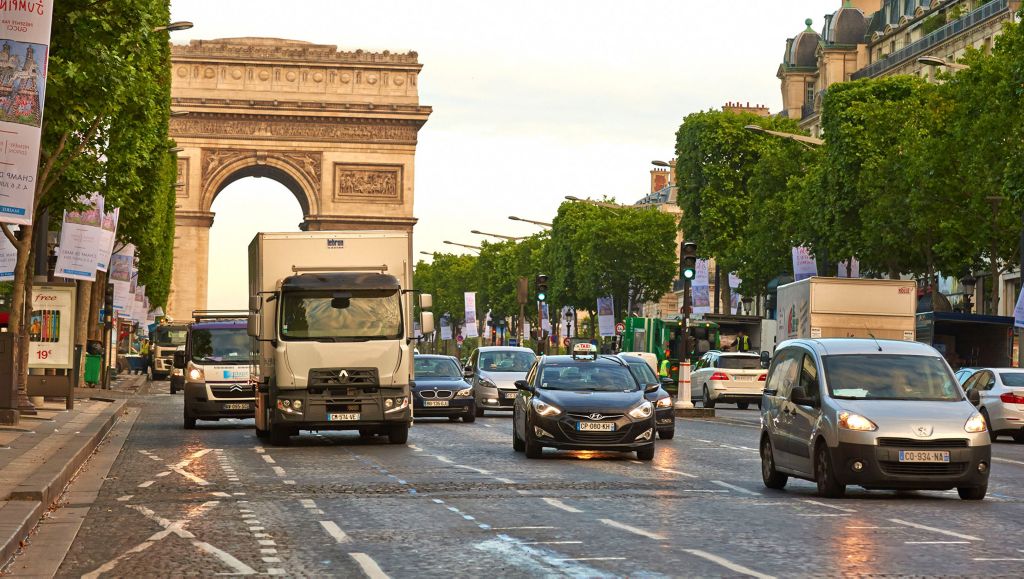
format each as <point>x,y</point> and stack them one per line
<point>644,410</point>
<point>976,423</point>
<point>464,393</point>
<point>665,402</point>
<point>545,409</point>
<point>195,374</point>
<point>851,421</point>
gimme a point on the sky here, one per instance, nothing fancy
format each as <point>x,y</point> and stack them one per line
<point>533,100</point>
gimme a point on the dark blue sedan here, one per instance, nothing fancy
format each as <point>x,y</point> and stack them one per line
<point>440,390</point>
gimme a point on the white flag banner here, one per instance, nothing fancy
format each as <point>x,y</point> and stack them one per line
<point>1018,310</point>
<point>854,268</point>
<point>606,316</point>
<point>526,330</point>
<point>470,330</point>
<point>80,241</point>
<point>700,288</point>
<point>25,50</point>
<point>446,329</point>
<point>120,276</point>
<point>804,264</point>
<point>8,258</point>
<point>545,320</point>
<point>734,296</point>
<point>108,233</point>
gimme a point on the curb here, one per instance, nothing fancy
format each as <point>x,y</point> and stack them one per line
<point>30,499</point>
<point>695,412</point>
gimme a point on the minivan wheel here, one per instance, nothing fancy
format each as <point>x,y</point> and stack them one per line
<point>479,411</point>
<point>773,479</point>
<point>972,493</point>
<point>708,402</point>
<point>825,475</point>
<point>1019,438</point>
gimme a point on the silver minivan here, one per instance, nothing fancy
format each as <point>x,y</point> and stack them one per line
<point>880,414</point>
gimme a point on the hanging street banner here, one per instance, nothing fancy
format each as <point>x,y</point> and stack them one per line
<point>470,330</point>
<point>51,334</point>
<point>80,242</point>
<point>700,288</point>
<point>606,316</point>
<point>8,258</point>
<point>446,329</point>
<point>120,276</point>
<point>1018,311</point>
<point>545,320</point>
<point>23,60</point>
<point>734,296</point>
<point>108,233</point>
<point>854,268</point>
<point>804,264</point>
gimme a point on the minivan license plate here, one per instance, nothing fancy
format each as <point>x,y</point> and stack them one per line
<point>596,426</point>
<point>237,406</point>
<point>924,456</point>
<point>343,416</point>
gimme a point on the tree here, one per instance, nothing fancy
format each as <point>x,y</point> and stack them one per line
<point>447,278</point>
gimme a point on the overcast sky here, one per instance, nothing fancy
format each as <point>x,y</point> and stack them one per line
<point>533,100</point>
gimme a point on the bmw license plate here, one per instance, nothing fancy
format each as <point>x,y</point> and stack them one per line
<point>343,416</point>
<point>595,426</point>
<point>924,456</point>
<point>510,395</point>
<point>430,403</point>
<point>236,407</point>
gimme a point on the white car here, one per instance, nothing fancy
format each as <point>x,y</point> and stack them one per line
<point>728,377</point>
<point>999,395</point>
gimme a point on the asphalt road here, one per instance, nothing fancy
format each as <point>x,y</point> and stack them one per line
<point>459,501</point>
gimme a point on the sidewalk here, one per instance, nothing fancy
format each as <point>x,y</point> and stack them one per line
<point>42,454</point>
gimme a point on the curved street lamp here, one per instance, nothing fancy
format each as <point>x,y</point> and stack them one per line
<point>498,235</point>
<point>939,61</point>
<point>540,223</point>
<point>476,247</point>
<point>174,26</point>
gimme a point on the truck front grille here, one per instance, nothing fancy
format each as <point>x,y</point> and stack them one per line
<point>342,378</point>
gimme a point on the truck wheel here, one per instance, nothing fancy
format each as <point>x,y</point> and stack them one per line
<point>280,435</point>
<point>398,434</point>
<point>261,434</point>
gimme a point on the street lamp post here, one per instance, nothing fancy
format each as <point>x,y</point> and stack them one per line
<point>540,223</point>
<point>939,61</point>
<point>174,26</point>
<point>476,247</point>
<point>498,235</point>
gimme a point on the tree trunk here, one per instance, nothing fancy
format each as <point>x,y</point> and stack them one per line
<point>718,288</point>
<point>19,303</point>
<point>83,301</point>
<point>98,294</point>
<point>995,280</point>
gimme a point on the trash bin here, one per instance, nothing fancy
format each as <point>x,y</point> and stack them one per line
<point>93,363</point>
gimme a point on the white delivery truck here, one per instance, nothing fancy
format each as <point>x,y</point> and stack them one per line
<point>331,317</point>
<point>832,307</point>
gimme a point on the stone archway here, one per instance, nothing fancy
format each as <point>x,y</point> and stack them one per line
<point>337,128</point>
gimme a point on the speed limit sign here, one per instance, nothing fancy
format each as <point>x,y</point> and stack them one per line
<point>619,328</point>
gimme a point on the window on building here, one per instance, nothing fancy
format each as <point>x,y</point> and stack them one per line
<point>809,94</point>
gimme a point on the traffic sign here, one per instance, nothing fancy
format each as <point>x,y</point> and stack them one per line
<point>566,342</point>
<point>513,342</point>
<point>459,339</point>
<point>619,328</point>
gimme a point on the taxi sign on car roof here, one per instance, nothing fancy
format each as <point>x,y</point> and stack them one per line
<point>584,350</point>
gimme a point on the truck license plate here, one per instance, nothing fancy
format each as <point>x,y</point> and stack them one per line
<point>343,416</point>
<point>429,403</point>
<point>596,426</point>
<point>236,406</point>
<point>924,456</point>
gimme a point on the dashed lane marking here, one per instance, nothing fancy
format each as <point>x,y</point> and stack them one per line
<point>675,472</point>
<point>308,503</point>
<point>369,566</point>
<point>936,542</point>
<point>125,498</point>
<point>997,559</point>
<point>521,528</point>
<point>571,559</point>
<point>560,505</point>
<point>934,530</point>
<point>828,506</point>
<point>268,459</point>
<point>335,531</point>
<point>727,563</point>
<point>735,488</point>
<point>163,474</point>
<point>279,471</point>
<point>1007,461</point>
<point>823,515</point>
<point>146,484</point>
<point>634,530</point>
<point>555,543</point>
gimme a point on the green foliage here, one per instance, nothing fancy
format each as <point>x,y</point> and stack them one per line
<point>447,278</point>
<point>500,266</point>
<point>933,23</point>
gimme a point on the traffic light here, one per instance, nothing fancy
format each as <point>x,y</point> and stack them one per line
<point>108,296</point>
<point>687,260</point>
<point>542,287</point>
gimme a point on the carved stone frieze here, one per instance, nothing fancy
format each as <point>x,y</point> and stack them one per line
<point>296,130</point>
<point>367,183</point>
<point>309,164</point>
<point>182,190</point>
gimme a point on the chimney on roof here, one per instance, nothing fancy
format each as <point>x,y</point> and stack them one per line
<point>738,107</point>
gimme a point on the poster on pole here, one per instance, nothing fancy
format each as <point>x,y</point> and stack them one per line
<point>470,330</point>
<point>120,276</point>
<point>8,258</point>
<point>80,241</point>
<point>23,60</point>
<point>108,233</point>
<point>854,268</point>
<point>700,289</point>
<point>804,264</point>
<point>734,296</point>
<point>1018,310</point>
<point>446,328</point>
<point>545,319</point>
<point>51,332</point>
<point>606,316</point>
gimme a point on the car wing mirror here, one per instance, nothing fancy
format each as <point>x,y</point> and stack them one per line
<point>974,396</point>
<point>667,380</point>
<point>467,372</point>
<point>524,385</point>
<point>653,387</point>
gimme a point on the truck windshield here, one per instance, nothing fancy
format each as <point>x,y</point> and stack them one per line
<point>220,346</point>
<point>889,377</point>
<point>170,336</point>
<point>323,316</point>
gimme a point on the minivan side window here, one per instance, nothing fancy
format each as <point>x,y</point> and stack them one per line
<point>809,378</point>
<point>783,373</point>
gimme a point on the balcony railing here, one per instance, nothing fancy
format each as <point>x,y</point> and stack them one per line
<point>807,110</point>
<point>972,19</point>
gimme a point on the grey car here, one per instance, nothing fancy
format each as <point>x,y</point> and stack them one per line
<point>880,414</point>
<point>493,371</point>
<point>999,395</point>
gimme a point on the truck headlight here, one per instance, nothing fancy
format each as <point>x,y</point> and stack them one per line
<point>396,404</point>
<point>851,421</point>
<point>665,402</point>
<point>975,423</point>
<point>195,374</point>
<point>644,410</point>
<point>464,393</point>
<point>545,409</point>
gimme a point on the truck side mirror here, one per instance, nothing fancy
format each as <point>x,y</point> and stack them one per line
<point>766,359</point>
<point>254,303</point>
<point>252,326</point>
<point>179,359</point>
<point>426,323</point>
<point>426,302</point>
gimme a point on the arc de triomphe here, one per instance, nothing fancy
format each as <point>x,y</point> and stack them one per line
<point>337,128</point>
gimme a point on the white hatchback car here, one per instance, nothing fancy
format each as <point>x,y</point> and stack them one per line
<point>999,395</point>
<point>728,377</point>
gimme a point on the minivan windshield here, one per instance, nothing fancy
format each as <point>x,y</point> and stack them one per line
<point>221,346</point>
<point>358,315</point>
<point>588,376</point>
<point>506,361</point>
<point>890,377</point>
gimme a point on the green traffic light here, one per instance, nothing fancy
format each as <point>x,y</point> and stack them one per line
<point>688,273</point>
<point>541,296</point>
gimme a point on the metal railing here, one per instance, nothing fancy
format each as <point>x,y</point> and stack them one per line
<point>972,19</point>
<point>807,110</point>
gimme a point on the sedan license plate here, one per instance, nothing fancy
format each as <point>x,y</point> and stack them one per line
<point>924,456</point>
<point>510,395</point>
<point>343,416</point>
<point>236,407</point>
<point>429,403</point>
<point>595,426</point>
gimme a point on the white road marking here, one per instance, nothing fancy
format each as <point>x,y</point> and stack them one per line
<point>997,559</point>
<point>275,571</point>
<point>633,530</point>
<point>259,449</point>
<point>163,474</point>
<point>870,527</point>
<point>225,558</point>
<point>590,559</point>
<point>369,566</point>
<point>266,542</point>
<point>443,459</point>
<point>934,530</point>
<point>438,501</point>
<point>257,529</point>
<point>308,503</point>
<point>335,531</point>
<point>268,551</point>
<point>488,426</point>
<point>125,498</point>
<point>473,468</point>
<point>280,471</point>
<point>289,482</point>
<point>267,458</point>
<point>704,441</point>
<point>1006,460</point>
<point>702,490</point>
<point>936,542</point>
<point>727,564</point>
<point>735,488</point>
<point>190,476</point>
<point>828,506</point>
<point>675,472</point>
<point>560,505</point>
<point>146,484</point>
<point>555,543</point>
<point>505,480</point>
<point>221,494</point>
<point>520,528</point>
<point>415,448</point>
<point>822,515</point>
<point>271,559</point>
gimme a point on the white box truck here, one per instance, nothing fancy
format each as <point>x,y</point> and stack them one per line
<point>832,307</point>
<point>331,317</point>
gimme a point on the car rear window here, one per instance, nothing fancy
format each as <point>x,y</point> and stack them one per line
<point>1012,378</point>
<point>739,362</point>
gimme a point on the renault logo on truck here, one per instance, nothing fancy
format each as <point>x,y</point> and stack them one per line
<point>343,374</point>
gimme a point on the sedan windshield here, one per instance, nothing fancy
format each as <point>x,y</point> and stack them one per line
<point>889,377</point>
<point>221,346</point>
<point>588,377</point>
<point>341,317</point>
<point>506,361</point>
<point>427,368</point>
<point>642,372</point>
